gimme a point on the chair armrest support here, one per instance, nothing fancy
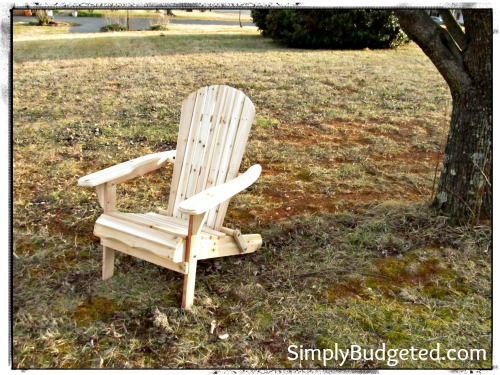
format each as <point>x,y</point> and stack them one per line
<point>128,170</point>
<point>209,198</point>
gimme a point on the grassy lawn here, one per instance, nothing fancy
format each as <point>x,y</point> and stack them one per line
<point>23,30</point>
<point>349,142</point>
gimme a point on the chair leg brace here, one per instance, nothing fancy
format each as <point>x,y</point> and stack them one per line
<point>240,241</point>
<point>238,238</point>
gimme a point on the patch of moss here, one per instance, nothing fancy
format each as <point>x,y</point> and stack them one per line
<point>305,175</point>
<point>94,308</point>
<point>437,291</point>
<point>265,122</point>
<point>264,319</point>
<point>414,270</point>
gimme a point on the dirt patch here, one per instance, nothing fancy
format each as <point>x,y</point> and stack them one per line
<point>304,134</point>
<point>332,165</point>
<point>351,288</point>
<point>292,203</point>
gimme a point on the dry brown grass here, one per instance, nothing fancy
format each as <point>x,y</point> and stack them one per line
<point>348,140</point>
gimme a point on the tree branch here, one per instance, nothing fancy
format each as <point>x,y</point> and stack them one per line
<point>454,28</point>
<point>438,45</point>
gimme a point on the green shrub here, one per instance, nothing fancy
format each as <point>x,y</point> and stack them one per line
<point>113,27</point>
<point>89,13</point>
<point>331,29</point>
<point>158,27</point>
<point>259,17</point>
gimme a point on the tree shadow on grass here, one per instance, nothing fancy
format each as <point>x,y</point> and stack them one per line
<point>160,44</point>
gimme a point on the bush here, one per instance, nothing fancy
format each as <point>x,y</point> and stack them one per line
<point>113,27</point>
<point>158,27</point>
<point>259,19</point>
<point>331,29</point>
<point>89,13</point>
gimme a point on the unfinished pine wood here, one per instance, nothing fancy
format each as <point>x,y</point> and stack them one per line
<point>200,140</point>
<point>184,223</point>
<point>191,258</point>
<point>214,128</point>
<point>210,198</point>
<point>220,170</point>
<point>211,153</point>
<point>106,195</point>
<point>163,245</point>
<point>227,246</point>
<point>240,140</point>
<point>173,226</point>
<point>108,262</point>
<point>187,127</point>
<point>181,267</point>
<point>129,169</point>
<point>240,241</point>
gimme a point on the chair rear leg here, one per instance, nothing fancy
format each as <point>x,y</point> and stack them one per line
<point>108,262</point>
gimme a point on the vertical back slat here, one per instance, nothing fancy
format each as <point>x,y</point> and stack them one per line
<point>214,132</point>
<point>214,128</point>
<point>193,106</point>
<point>192,148</point>
<point>200,141</point>
<point>240,141</point>
<point>221,138</point>
<point>182,139</point>
<point>221,168</point>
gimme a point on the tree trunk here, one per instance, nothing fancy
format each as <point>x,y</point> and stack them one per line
<point>465,186</point>
<point>465,191</point>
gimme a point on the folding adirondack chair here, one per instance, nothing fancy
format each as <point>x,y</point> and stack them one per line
<point>214,127</point>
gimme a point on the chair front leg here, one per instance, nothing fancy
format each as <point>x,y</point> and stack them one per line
<point>106,193</point>
<point>191,257</point>
<point>108,262</point>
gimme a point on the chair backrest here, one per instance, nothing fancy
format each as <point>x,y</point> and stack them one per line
<point>213,132</point>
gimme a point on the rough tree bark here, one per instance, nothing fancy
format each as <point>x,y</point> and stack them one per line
<point>464,59</point>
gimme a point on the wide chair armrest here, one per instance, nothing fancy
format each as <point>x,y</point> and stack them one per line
<point>211,197</point>
<point>128,170</point>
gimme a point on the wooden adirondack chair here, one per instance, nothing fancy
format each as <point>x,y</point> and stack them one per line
<point>214,127</point>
